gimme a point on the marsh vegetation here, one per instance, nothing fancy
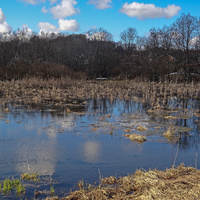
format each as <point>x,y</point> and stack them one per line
<point>74,107</point>
<point>84,135</point>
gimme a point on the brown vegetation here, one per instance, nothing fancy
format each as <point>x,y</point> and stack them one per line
<point>63,91</point>
<point>136,137</point>
<point>174,183</point>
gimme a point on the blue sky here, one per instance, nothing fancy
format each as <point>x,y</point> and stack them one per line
<point>75,16</point>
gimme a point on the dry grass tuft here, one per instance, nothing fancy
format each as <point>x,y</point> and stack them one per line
<point>173,132</point>
<point>171,117</point>
<point>141,128</point>
<point>170,131</point>
<point>136,138</point>
<point>174,183</point>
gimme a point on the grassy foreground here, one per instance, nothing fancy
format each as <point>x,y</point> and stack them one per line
<point>174,183</point>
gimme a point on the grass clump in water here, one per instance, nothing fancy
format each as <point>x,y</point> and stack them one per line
<point>30,177</point>
<point>173,132</point>
<point>20,189</point>
<point>9,185</point>
<point>136,138</point>
<point>141,128</point>
<point>52,191</point>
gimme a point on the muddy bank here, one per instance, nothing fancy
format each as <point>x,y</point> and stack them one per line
<point>174,183</point>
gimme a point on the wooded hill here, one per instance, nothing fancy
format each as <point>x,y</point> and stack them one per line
<point>168,53</point>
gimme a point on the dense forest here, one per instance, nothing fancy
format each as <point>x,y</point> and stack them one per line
<point>167,53</point>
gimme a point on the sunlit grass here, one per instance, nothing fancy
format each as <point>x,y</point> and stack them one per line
<point>30,177</point>
<point>9,185</point>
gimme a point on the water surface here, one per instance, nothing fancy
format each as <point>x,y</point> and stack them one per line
<point>86,144</point>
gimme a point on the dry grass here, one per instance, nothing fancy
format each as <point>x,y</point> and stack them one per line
<point>142,128</point>
<point>174,183</point>
<point>173,132</point>
<point>65,90</point>
<point>136,138</point>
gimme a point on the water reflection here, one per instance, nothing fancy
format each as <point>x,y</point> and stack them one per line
<point>92,151</point>
<point>133,149</point>
<point>36,156</point>
<point>74,145</point>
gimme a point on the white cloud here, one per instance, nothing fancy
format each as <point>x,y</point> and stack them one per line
<point>194,41</point>
<point>63,25</point>
<point>143,11</point>
<point>68,25</point>
<point>53,1</point>
<point>101,4</point>
<point>44,10</point>
<point>2,16</point>
<point>4,27</point>
<point>64,9</point>
<point>47,27</point>
<point>33,2</point>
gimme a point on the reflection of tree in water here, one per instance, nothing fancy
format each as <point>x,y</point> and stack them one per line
<point>189,141</point>
<point>187,107</point>
<point>115,107</point>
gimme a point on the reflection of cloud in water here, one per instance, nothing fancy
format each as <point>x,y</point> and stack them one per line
<point>52,132</point>
<point>131,148</point>
<point>91,151</point>
<point>30,127</point>
<point>38,156</point>
<point>134,121</point>
<point>68,123</point>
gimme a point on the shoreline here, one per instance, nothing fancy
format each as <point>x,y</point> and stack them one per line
<point>174,183</point>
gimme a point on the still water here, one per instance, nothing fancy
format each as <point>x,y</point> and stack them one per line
<point>85,144</point>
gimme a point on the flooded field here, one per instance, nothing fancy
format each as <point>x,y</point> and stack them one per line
<point>65,146</point>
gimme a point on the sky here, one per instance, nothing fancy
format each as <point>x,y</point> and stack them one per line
<point>79,16</point>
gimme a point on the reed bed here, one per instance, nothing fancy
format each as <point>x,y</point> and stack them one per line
<point>174,183</point>
<point>65,90</point>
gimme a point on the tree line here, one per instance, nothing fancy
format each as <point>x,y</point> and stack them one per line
<point>167,53</point>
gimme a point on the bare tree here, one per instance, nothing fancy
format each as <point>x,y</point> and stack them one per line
<point>185,29</point>
<point>99,34</point>
<point>128,38</point>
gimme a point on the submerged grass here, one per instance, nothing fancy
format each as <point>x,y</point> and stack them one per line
<point>9,185</point>
<point>174,183</point>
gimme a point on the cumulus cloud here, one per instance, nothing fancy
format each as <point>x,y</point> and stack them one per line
<point>101,4</point>
<point>53,1</point>
<point>63,25</point>
<point>45,26</point>
<point>143,11</point>
<point>194,41</point>
<point>68,25</point>
<point>44,10</point>
<point>33,2</point>
<point>4,27</point>
<point>2,16</point>
<point>64,9</point>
